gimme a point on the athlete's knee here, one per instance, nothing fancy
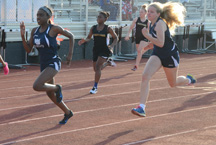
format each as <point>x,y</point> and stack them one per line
<point>172,85</point>
<point>146,78</point>
<point>139,51</point>
<point>36,86</point>
<point>98,68</point>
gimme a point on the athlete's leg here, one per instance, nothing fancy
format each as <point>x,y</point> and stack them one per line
<point>94,66</point>
<point>152,66</point>
<point>140,51</point>
<point>99,65</point>
<point>137,46</point>
<point>2,61</point>
<point>52,96</point>
<point>5,65</point>
<point>97,68</point>
<point>45,76</point>
<point>173,78</point>
<point>105,64</point>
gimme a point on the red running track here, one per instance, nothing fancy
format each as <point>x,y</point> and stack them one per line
<point>175,116</point>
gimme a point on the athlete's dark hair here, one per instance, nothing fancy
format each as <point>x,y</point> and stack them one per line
<point>144,7</point>
<point>105,14</point>
<point>48,10</point>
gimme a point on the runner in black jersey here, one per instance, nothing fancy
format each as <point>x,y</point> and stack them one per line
<point>164,18</point>
<point>44,39</point>
<point>101,50</point>
<point>141,42</point>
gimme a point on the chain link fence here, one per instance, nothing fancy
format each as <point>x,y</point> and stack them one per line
<point>14,11</point>
<point>65,11</point>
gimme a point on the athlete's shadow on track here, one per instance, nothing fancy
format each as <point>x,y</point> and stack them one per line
<point>141,142</point>
<point>90,83</point>
<point>206,78</point>
<point>113,137</point>
<point>197,101</point>
<point>25,113</point>
<point>16,139</point>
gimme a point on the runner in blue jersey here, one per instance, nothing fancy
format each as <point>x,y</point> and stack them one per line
<point>164,18</point>
<point>101,50</point>
<point>44,39</point>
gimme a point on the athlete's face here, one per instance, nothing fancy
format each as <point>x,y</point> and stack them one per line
<point>42,17</point>
<point>101,18</point>
<point>152,13</point>
<point>142,13</point>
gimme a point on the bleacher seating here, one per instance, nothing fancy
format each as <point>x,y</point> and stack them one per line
<point>71,14</point>
<point>74,10</point>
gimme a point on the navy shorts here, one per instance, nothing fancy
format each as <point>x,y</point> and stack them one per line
<point>101,54</point>
<point>56,64</point>
<point>171,61</point>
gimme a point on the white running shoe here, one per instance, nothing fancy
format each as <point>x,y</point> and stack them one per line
<point>112,63</point>
<point>93,90</point>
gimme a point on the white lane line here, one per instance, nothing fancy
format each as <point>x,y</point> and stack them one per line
<point>60,76</point>
<point>183,60</point>
<point>5,109</point>
<point>138,81</point>
<point>99,109</point>
<point>111,124</point>
<point>165,136</point>
<point>170,135</point>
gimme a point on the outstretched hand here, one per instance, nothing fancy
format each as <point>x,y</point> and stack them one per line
<point>22,28</point>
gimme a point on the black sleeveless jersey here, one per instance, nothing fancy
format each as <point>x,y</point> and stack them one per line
<point>100,39</point>
<point>139,26</point>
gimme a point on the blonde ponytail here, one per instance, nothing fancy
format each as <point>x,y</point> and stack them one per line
<point>173,13</point>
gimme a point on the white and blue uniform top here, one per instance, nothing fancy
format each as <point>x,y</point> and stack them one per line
<point>169,48</point>
<point>47,47</point>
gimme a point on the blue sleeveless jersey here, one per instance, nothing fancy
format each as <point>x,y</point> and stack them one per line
<point>169,47</point>
<point>46,45</point>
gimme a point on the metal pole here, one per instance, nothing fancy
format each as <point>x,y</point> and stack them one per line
<point>120,14</point>
<point>5,13</point>
<point>204,12</point>
<point>80,10</point>
<point>47,2</point>
<point>86,10</point>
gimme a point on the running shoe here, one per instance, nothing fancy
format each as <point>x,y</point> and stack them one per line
<point>6,69</point>
<point>138,111</point>
<point>193,80</point>
<point>111,62</point>
<point>134,68</point>
<point>66,117</point>
<point>59,95</point>
<point>93,90</point>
